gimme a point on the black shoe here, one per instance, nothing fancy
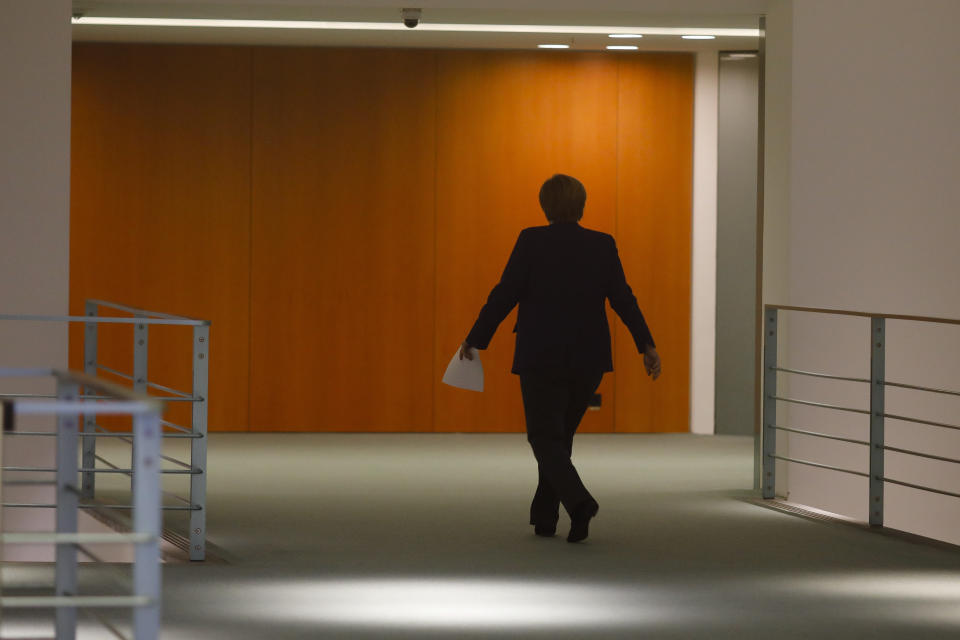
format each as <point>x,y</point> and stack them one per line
<point>580,520</point>
<point>545,530</point>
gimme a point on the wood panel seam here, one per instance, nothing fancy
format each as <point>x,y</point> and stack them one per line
<point>616,227</point>
<point>436,273</point>
<point>250,77</point>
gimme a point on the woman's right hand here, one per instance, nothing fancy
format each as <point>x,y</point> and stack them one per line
<point>465,351</point>
<point>651,361</point>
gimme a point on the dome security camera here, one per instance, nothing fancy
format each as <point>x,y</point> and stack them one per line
<point>410,17</point>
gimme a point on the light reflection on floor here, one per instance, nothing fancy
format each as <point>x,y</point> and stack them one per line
<point>921,597</point>
<point>442,603</point>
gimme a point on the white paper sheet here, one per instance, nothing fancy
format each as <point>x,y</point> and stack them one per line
<point>465,374</point>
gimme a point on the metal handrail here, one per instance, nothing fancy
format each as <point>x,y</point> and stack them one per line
<point>147,313</point>
<point>876,412</point>
<point>141,320</point>
<point>104,320</point>
<point>138,377</point>
<point>145,538</point>
<point>50,434</point>
<point>863,314</point>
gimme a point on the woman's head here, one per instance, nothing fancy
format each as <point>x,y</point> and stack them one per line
<point>562,198</point>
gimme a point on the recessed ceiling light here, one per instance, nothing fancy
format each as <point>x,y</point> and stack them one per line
<point>626,35</point>
<point>553,46</point>
<point>697,37</point>
<point>398,26</point>
<point>622,47</point>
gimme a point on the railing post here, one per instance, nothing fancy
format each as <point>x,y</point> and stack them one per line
<point>877,385</point>
<point>198,445</point>
<point>89,445</point>
<point>68,500</point>
<point>141,352</point>
<point>146,520</point>
<point>769,484</point>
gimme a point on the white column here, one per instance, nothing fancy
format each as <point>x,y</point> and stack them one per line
<point>704,288</point>
<point>35,43</point>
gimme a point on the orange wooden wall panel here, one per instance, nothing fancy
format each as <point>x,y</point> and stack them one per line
<point>508,121</point>
<point>342,215</point>
<point>654,206</point>
<point>343,240</point>
<point>160,206</point>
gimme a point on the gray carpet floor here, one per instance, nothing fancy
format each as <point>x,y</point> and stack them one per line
<point>426,536</point>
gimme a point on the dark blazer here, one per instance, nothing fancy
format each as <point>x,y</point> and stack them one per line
<point>561,275</point>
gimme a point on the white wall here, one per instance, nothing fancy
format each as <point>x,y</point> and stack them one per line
<point>704,286</point>
<point>34,178</point>
<point>866,183</point>
<point>34,211</point>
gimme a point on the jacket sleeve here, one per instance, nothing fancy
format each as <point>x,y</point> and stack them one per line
<point>504,296</point>
<point>624,303</point>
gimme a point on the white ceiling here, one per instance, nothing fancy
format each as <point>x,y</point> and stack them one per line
<point>623,13</point>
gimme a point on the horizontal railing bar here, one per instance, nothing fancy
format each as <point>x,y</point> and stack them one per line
<point>93,383</point>
<point>921,455</point>
<point>45,505</point>
<point>181,463</point>
<point>99,457</point>
<point>113,469</point>
<point>861,314</point>
<point>919,421</point>
<point>154,314</point>
<point>176,392</point>
<point>119,407</point>
<point>90,554</point>
<point>921,488</point>
<point>115,372</point>
<point>172,425</point>
<point>180,395</point>
<point>47,396</point>
<point>105,320</point>
<point>34,602</point>
<point>820,375</point>
<point>822,466</point>
<point>29,483</point>
<point>178,472</point>
<point>98,617</point>
<point>919,388</point>
<point>167,458</point>
<point>47,537</point>
<point>24,396</point>
<point>822,405</point>
<point>14,372</point>
<point>821,435</point>
<point>176,497</point>
<point>99,435</point>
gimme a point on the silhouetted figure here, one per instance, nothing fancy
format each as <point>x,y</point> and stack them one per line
<point>561,275</point>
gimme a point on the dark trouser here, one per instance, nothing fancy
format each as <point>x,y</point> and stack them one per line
<point>554,403</point>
